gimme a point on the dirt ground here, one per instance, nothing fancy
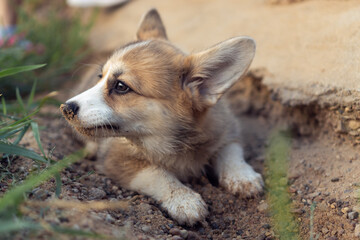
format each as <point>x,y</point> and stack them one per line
<point>323,169</point>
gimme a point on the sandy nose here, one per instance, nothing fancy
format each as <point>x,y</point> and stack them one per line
<point>70,110</point>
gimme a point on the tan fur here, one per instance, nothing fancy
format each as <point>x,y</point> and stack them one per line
<point>173,121</point>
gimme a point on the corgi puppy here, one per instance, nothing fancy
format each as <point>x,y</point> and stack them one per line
<point>161,118</point>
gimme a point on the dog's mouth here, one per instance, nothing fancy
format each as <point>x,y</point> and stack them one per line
<point>99,131</point>
<point>103,127</point>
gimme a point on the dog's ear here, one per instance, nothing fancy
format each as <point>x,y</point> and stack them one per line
<point>151,26</point>
<point>211,72</point>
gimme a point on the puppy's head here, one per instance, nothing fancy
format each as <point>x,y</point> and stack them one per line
<point>150,87</point>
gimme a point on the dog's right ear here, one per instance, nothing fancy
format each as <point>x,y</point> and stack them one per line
<point>151,26</point>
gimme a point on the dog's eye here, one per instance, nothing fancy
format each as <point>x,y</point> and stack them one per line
<point>121,88</point>
<point>100,75</point>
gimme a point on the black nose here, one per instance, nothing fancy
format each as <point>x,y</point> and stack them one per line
<point>70,109</point>
<point>74,107</point>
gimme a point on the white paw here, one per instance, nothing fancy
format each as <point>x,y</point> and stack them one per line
<point>185,206</point>
<point>242,180</point>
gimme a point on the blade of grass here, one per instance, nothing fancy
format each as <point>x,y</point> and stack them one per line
<point>21,102</point>
<point>15,70</point>
<point>32,94</point>
<point>21,135</point>
<point>16,150</point>
<point>277,156</point>
<point>35,129</point>
<point>58,185</point>
<point>3,105</point>
<point>78,232</point>
<point>10,133</point>
<point>8,226</point>
<point>15,195</point>
<point>11,127</point>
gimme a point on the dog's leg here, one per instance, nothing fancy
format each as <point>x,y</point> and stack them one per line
<point>181,202</point>
<point>235,174</point>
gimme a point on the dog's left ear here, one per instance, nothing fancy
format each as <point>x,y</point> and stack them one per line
<point>212,72</point>
<point>151,26</point>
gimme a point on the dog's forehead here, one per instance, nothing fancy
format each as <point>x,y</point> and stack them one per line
<point>147,64</point>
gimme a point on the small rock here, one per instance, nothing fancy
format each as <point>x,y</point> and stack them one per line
<point>356,208</point>
<point>214,225</point>
<point>193,236</point>
<point>353,124</point>
<point>266,226</point>
<point>145,229</point>
<point>313,195</point>
<point>109,218</point>
<point>324,230</point>
<point>176,238</point>
<point>345,210</point>
<point>184,233</point>
<point>263,206</point>
<point>175,231</point>
<point>336,179</point>
<point>356,194</point>
<point>96,193</point>
<point>357,230</point>
<point>353,215</point>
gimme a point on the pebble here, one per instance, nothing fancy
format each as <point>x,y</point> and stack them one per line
<point>353,124</point>
<point>356,194</point>
<point>176,238</point>
<point>263,206</point>
<point>345,210</point>
<point>109,218</point>
<point>324,230</point>
<point>357,230</point>
<point>313,195</point>
<point>336,179</point>
<point>356,208</point>
<point>184,233</point>
<point>96,193</point>
<point>145,229</point>
<point>175,231</point>
<point>353,215</point>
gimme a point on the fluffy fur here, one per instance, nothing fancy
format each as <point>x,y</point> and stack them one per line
<point>163,118</point>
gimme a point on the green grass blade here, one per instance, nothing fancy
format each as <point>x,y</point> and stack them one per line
<point>32,94</point>
<point>21,135</point>
<point>11,71</point>
<point>6,129</point>
<point>8,226</point>
<point>14,196</point>
<point>16,150</point>
<point>35,129</point>
<point>277,158</point>
<point>78,232</point>
<point>3,105</point>
<point>19,99</point>
<point>58,184</point>
<point>10,133</point>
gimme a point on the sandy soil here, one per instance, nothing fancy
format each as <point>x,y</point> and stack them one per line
<point>323,169</point>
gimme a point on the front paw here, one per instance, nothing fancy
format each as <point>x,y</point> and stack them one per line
<point>243,181</point>
<point>185,206</point>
